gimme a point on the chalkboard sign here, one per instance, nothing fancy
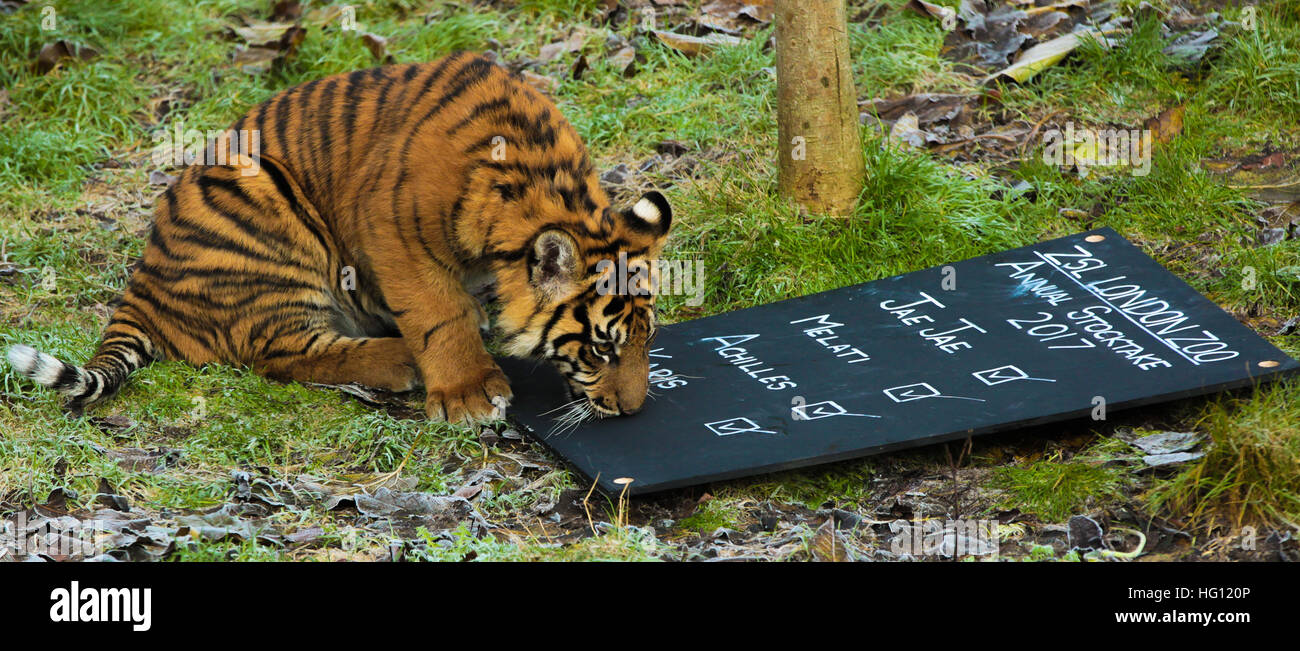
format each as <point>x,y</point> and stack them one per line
<point>1057,330</point>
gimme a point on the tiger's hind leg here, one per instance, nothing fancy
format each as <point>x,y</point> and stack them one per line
<point>327,357</point>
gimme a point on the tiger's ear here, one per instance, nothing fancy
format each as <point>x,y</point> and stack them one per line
<point>650,214</point>
<point>554,265</point>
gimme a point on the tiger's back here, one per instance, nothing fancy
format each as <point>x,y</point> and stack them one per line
<point>341,251</point>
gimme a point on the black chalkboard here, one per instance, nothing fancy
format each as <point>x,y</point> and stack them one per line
<point>1032,335</point>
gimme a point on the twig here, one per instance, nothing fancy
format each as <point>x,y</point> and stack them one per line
<point>587,507</point>
<point>1266,187</point>
<point>1038,125</point>
<point>1142,544</point>
<point>966,141</point>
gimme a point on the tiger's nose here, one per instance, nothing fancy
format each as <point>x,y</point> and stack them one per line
<point>628,405</point>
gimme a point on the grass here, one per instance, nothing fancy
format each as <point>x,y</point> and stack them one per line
<point>1258,76</point>
<point>76,202</point>
<point>903,54</point>
<point>1054,489</point>
<point>1251,473</point>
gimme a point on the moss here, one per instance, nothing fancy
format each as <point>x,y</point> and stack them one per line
<point>1054,490</point>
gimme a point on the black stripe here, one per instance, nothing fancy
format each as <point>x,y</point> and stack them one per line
<point>203,237</point>
<point>325,137</point>
<point>156,240</point>
<point>546,330</point>
<point>134,344</point>
<point>68,376</point>
<point>479,111</point>
<point>310,341</point>
<point>281,125</point>
<point>180,320</point>
<point>280,177</point>
<point>434,75</point>
<point>429,333</point>
<point>380,101</point>
<point>303,147</point>
<point>350,101</point>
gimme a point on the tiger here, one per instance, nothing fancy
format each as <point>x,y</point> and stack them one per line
<point>419,185</point>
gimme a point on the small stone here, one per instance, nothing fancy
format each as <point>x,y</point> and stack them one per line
<point>1270,236</point>
<point>1156,460</point>
<point>672,148</point>
<point>616,175</point>
<point>1167,442</point>
<point>1084,533</point>
<point>846,519</point>
<point>1290,326</point>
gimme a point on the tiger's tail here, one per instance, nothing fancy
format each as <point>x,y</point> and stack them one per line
<point>124,349</point>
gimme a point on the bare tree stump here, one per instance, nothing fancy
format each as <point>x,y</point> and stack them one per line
<point>820,148</point>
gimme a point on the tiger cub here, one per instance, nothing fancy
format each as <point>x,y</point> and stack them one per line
<point>381,199</point>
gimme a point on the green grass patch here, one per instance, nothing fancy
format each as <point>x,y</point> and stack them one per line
<point>1251,473</point>
<point>1054,489</point>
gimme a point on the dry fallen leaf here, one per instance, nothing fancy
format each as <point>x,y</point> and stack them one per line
<point>1042,56</point>
<point>945,15</point>
<point>323,15</point>
<point>52,54</point>
<point>624,61</point>
<point>828,545</point>
<point>286,10</point>
<point>1039,24</point>
<point>731,16</point>
<point>696,45</point>
<point>907,131</point>
<point>573,43</point>
<point>929,108</point>
<point>1276,159</point>
<point>378,47</point>
<point>540,82</point>
<point>159,177</point>
<point>256,59</point>
<point>260,32</point>
<point>1166,125</point>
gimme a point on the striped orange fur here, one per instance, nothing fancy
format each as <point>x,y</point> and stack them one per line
<point>420,182</point>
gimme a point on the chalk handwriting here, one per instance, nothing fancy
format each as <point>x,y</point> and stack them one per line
<point>1034,284</point>
<point>822,331</point>
<point>663,378</point>
<point>1098,327</point>
<point>1003,374</point>
<point>742,359</point>
<point>946,339</point>
<point>823,409</point>
<point>731,426</point>
<point>919,391</point>
<point>1151,314</point>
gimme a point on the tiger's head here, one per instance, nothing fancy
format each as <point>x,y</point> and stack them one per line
<point>589,303</point>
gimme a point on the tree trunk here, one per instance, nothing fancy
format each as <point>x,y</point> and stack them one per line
<point>820,149</point>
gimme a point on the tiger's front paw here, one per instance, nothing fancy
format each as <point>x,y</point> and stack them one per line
<point>483,397</point>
